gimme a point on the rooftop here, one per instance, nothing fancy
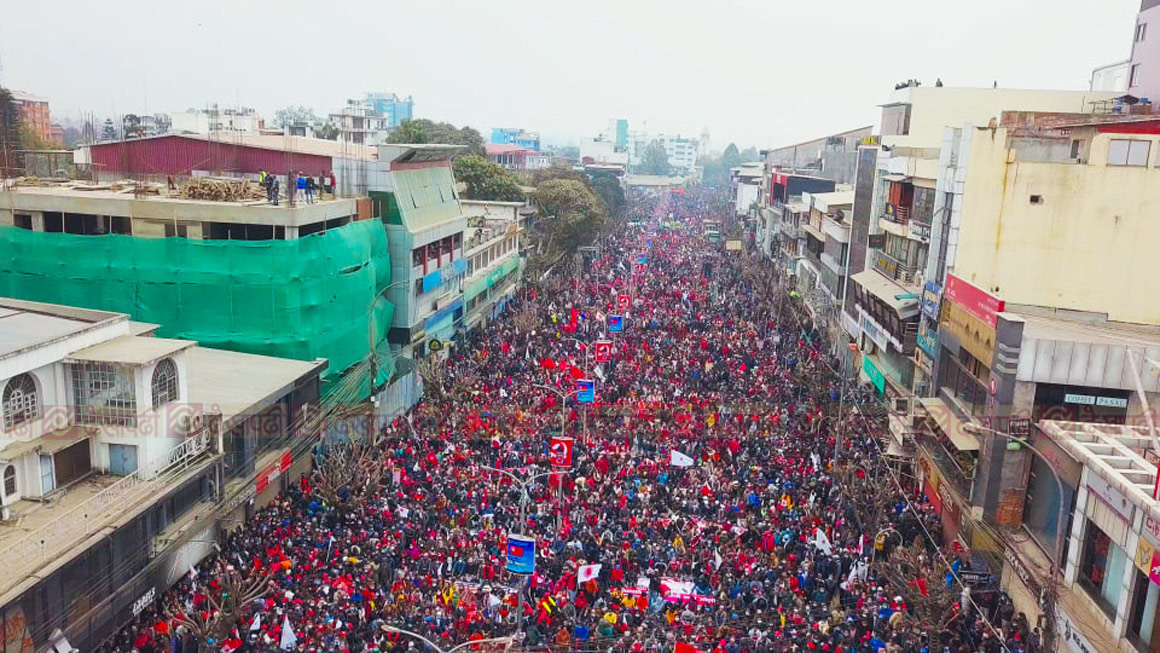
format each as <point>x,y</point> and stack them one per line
<point>131,350</point>
<point>25,325</point>
<point>232,382</point>
<point>823,201</point>
<point>493,149</point>
<point>295,144</point>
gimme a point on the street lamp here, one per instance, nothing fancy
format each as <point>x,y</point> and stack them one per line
<point>440,649</point>
<point>1056,562</point>
<point>563,395</point>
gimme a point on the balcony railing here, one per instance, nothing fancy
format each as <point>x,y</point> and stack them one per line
<point>892,268</point>
<point>52,539</point>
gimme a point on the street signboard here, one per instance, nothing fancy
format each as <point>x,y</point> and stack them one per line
<point>521,554</point>
<point>585,391</point>
<point>623,302</point>
<point>603,351</point>
<point>560,452</point>
<point>615,323</point>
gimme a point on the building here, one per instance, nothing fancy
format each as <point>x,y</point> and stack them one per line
<point>1144,72</point>
<point>307,282</point>
<point>206,121</point>
<point>599,150</point>
<point>236,155</point>
<point>517,158</point>
<point>123,456</point>
<point>831,157</point>
<point>682,152</point>
<point>391,107</point>
<point>516,136</point>
<point>745,183</point>
<point>413,193</point>
<point>1112,77</point>
<point>494,265</point>
<point>903,192</point>
<point>34,114</point>
<point>785,214</point>
<point>360,123</point>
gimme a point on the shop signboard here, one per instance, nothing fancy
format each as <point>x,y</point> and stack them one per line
<point>875,374</point>
<point>982,305</point>
<point>927,339</point>
<point>930,298</point>
<point>1072,638</point>
<point>876,334</point>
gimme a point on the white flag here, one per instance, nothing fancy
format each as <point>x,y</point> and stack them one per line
<point>586,573</point>
<point>717,560</point>
<point>678,459</point>
<point>289,639</point>
<point>817,461</point>
<point>857,570</point>
<point>599,373</point>
<point>257,623</point>
<point>823,542</point>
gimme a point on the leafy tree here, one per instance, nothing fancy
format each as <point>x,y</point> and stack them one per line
<point>486,180</point>
<point>655,160</point>
<point>109,131</point>
<point>750,154</point>
<point>607,187</point>
<point>568,152</point>
<point>730,158</point>
<point>428,131</point>
<point>72,137</point>
<point>290,115</point>
<point>328,131</point>
<point>9,133</point>
<point>559,172</point>
<point>131,126</point>
<point>576,215</point>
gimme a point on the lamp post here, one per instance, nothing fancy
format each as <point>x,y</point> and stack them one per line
<point>522,484</point>
<point>1050,593</point>
<point>440,649</point>
<point>563,395</point>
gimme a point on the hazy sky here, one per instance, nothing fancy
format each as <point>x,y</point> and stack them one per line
<point>758,72</point>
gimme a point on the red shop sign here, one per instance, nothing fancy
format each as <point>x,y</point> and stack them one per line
<point>982,305</point>
<point>271,474</point>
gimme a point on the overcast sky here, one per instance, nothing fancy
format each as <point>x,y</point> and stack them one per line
<point>758,72</point>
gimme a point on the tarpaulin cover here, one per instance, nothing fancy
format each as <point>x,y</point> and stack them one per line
<point>303,299</point>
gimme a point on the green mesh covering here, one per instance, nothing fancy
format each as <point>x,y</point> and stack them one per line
<point>303,299</point>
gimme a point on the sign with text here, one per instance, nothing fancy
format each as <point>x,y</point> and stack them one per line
<point>977,302</point>
<point>623,302</point>
<point>560,452</point>
<point>603,351</point>
<point>585,391</point>
<point>615,323</point>
<point>521,554</point>
<point>271,473</point>
<point>930,298</point>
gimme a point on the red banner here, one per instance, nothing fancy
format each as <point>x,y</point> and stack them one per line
<point>977,302</point>
<point>560,452</point>
<point>603,351</point>
<point>623,302</point>
<point>271,474</point>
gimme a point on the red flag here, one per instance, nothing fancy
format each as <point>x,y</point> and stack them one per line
<point>575,316</point>
<point>548,364</point>
<point>577,373</point>
<point>681,647</point>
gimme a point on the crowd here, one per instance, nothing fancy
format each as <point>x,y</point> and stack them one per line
<point>747,544</point>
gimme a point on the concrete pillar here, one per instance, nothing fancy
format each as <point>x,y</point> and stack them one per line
<point>1124,599</point>
<point>37,220</point>
<point>1075,538</point>
<point>291,233</point>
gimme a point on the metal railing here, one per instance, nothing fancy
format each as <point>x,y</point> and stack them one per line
<point>38,546</point>
<point>897,214</point>
<point>892,268</point>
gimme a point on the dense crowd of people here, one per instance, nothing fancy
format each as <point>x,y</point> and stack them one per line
<point>702,507</point>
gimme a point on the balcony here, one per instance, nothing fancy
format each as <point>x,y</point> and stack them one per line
<point>790,230</point>
<point>831,263</point>
<point>897,214</point>
<point>892,268</point>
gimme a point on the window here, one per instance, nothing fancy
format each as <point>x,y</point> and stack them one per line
<point>10,481</point>
<point>1128,153</point>
<point>22,221</point>
<point>164,383</point>
<point>21,401</point>
<point>1102,568</point>
<point>1037,199</point>
<point>1141,31</point>
<point>1134,75</point>
<point>104,394</point>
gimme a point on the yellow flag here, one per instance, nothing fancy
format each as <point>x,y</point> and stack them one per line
<point>712,420</point>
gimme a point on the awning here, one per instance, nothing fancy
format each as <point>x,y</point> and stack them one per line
<point>46,444</point>
<point>887,291</point>
<point>949,422</point>
<point>896,178</point>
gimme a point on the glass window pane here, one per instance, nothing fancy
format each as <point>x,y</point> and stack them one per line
<point>1138,153</point>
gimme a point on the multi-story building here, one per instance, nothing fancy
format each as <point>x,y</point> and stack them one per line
<point>1144,70</point>
<point>832,157</point>
<point>745,182</point>
<point>34,114</point>
<point>783,219</point>
<point>494,265</point>
<point>413,192</point>
<point>1023,323</point>
<point>517,158</point>
<point>392,107</point>
<point>205,121</point>
<point>361,123</point>
<point>682,152</point>
<point>123,456</point>
<point>884,312</point>
<point>516,136</point>
<point>1112,77</point>
<point>600,150</point>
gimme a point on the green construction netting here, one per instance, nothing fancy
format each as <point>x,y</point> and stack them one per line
<point>303,299</point>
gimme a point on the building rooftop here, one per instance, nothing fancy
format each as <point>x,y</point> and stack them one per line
<point>232,382</point>
<point>131,350</point>
<point>823,201</point>
<point>495,149</point>
<point>279,143</point>
<point>26,325</point>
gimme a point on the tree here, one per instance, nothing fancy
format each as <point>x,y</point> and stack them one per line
<point>559,172</point>
<point>290,115</point>
<point>486,180</point>
<point>427,131</point>
<point>607,187</point>
<point>9,134</point>
<point>750,154</point>
<point>131,126</point>
<point>576,215</point>
<point>348,472</point>
<point>328,131</point>
<point>109,132</point>
<point>655,160</point>
<point>226,599</point>
<point>730,158</point>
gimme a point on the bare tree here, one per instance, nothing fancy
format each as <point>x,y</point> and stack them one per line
<point>919,578</point>
<point>348,472</point>
<point>225,602</point>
